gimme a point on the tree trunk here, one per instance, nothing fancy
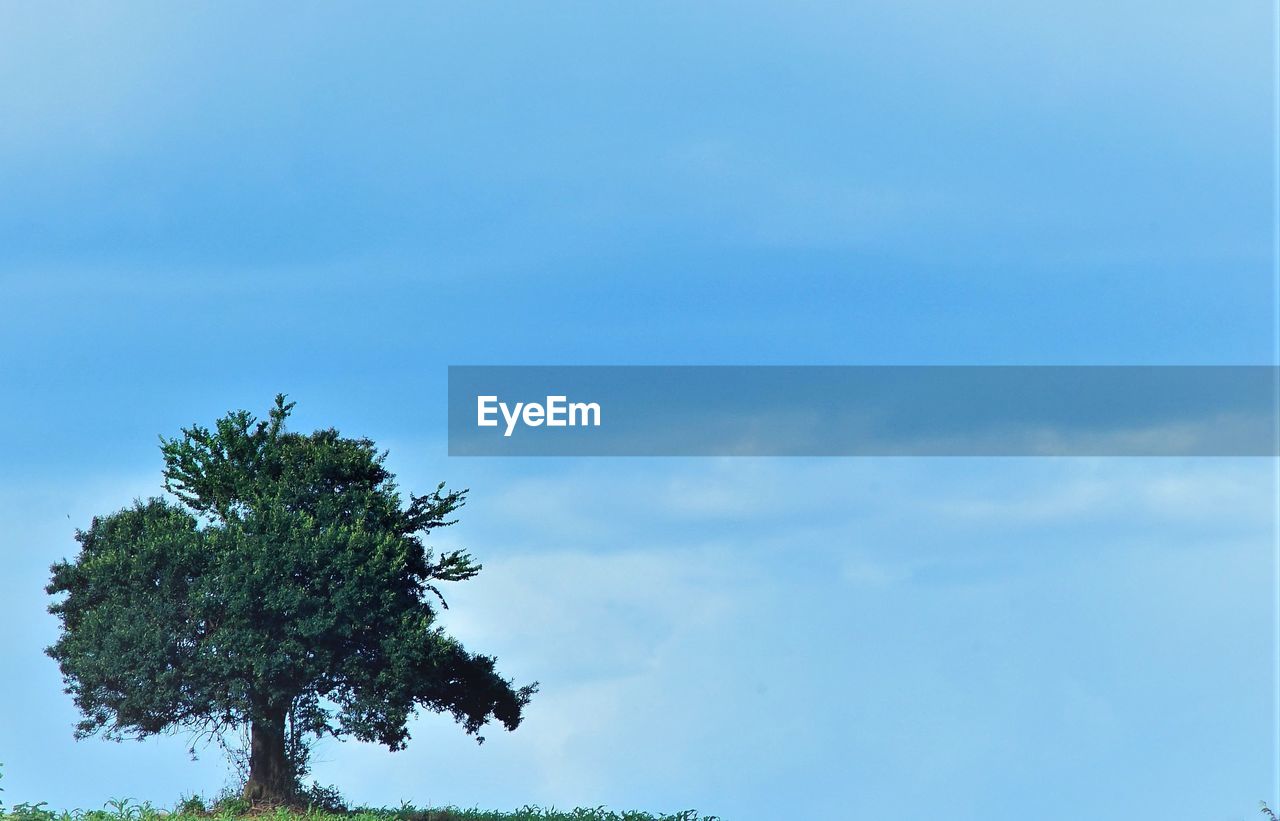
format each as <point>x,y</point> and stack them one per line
<point>270,777</point>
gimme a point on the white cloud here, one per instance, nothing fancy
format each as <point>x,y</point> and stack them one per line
<point>745,634</point>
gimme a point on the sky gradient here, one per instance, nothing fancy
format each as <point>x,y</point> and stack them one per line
<point>208,204</point>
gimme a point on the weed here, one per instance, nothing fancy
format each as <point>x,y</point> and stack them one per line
<point>193,808</point>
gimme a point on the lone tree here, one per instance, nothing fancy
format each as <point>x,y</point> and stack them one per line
<point>287,592</point>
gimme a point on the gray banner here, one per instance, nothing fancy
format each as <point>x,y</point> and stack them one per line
<point>863,411</point>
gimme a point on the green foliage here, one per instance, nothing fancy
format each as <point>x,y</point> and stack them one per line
<point>230,806</point>
<point>288,589</point>
<point>525,814</point>
<point>191,805</point>
<point>324,799</point>
<point>327,805</point>
<point>146,812</point>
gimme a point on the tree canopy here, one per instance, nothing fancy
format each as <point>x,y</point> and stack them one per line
<point>285,588</point>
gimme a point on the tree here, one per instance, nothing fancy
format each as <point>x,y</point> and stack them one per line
<point>285,590</point>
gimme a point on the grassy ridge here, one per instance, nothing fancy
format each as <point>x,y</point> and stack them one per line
<point>327,806</point>
<point>39,812</point>
<point>127,811</point>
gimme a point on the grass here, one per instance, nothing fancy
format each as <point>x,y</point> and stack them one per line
<point>193,809</point>
<point>127,811</point>
<point>235,809</point>
<point>231,808</point>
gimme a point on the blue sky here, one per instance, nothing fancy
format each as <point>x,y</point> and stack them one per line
<point>205,205</point>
